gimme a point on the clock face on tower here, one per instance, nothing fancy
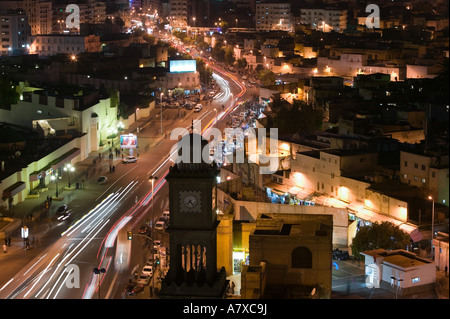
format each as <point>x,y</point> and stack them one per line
<point>190,201</point>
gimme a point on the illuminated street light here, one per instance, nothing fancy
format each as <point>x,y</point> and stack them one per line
<point>112,134</point>
<point>54,178</point>
<point>152,179</point>
<point>432,224</point>
<point>161,112</point>
<point>70,169</point>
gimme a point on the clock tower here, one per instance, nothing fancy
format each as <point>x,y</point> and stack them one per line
<point>192,182</point>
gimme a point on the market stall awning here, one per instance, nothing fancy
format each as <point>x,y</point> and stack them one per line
<point>278,189</point>
<point>355,206</point>
<point>294,190</point>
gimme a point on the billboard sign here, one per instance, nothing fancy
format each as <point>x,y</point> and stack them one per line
<point>128,141</point>
<point>178,66</point>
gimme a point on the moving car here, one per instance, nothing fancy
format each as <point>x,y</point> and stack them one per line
<point>160,225</point>
<point>64,215</point>
<point>130,159</point>
<point>198,108</point>
<point>61,209</point>
<point>102,180</point>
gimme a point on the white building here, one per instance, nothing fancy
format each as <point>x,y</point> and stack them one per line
<point>351,64</point>
<point>85,112</point>
<point>399,270</point>
<point>67,44</point>
<point>440,244</point>
<point>273,16</point>
<point>325,20</point>
<point>14,32</point>
<point>426,171</point>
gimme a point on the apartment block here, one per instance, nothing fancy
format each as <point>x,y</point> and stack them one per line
<point>273,16</point>
<point>178,13</point>
<point>325,20</point>
<point>40,15</point>
<point>14,32</point>
<point>428,172</point>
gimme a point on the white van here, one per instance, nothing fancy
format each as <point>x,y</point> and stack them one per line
<point>198,108</point>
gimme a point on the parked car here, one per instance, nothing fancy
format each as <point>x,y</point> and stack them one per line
<point>150,262</point>
<point>144,229</point>
<point>143,280</point>
<point>198,108</point>
<point>102,180</point>
<point>340,254</point>
<point>130,159</point>
<point>133,290</point>
<point>189,106</point>
<point>147,270</point>
<point>160,225</point>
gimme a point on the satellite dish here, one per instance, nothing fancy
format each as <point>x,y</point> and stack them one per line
<point>17,154</point>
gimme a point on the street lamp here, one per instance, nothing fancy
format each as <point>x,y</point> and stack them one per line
<point>98,272</point>
<point>432,224</point>
<point>152,179</point>
<point>161,110</point>
<point>112,134</point>
<point>55,178</point>
<point>70,169</point>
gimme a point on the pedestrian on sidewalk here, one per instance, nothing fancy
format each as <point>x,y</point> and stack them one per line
<point>4,248</point>
<point>113,169</point>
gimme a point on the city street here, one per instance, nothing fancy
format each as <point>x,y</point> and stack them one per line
<point>87,240</point>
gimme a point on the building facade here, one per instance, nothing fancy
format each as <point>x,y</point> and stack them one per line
<point>14,32</point>
<point>273,16</point>
<point>325,20</point>
<point>64,44</point>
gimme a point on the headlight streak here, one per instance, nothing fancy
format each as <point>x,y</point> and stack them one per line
<point>42,274</point>
<point>32,266</point>
<point>64,281</point>
<point>106,204</point>
<point>68,255</point>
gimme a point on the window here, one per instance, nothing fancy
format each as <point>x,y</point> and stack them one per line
<point>415,280</point>
<point>301,258</point>
<point>406,163</point>
<point>423,180</point>
<point>416,165</point>
<point>423,167</point>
